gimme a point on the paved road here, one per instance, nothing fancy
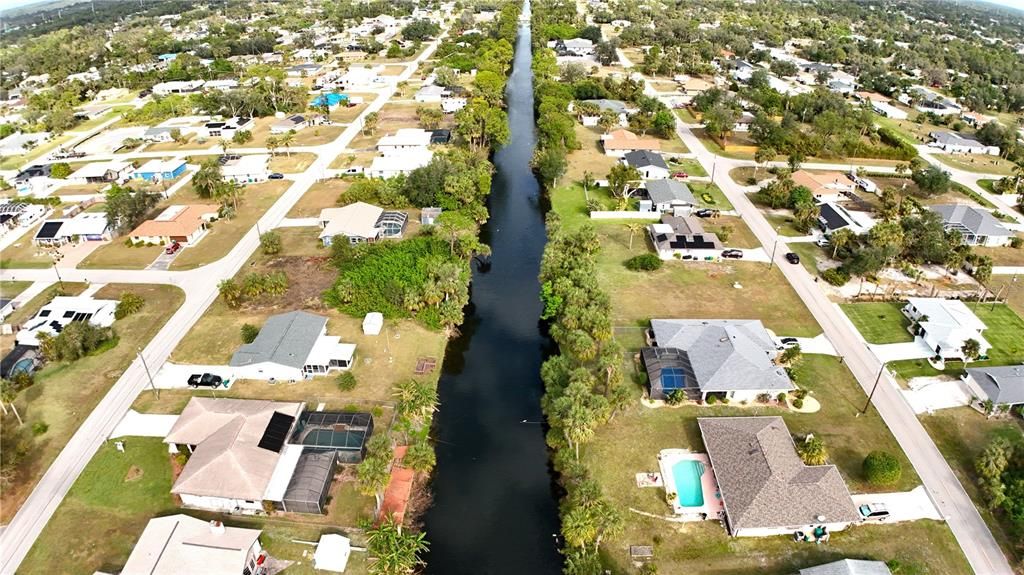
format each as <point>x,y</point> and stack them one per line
<point>200,288</point>
<point>970,530</point>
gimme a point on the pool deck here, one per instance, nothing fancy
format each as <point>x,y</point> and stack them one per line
<point>713,508</point>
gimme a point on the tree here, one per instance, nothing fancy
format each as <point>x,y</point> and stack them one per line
<point>791,356</point>
<point>620,177</point>
<point>394,551</point>
<point>971,349</point>
<point>429,118</point>
<point>481,125</point>
<point>127,208</point>
<point>720,121</point>
<point>60,170</point>
<point>549,164</point>
<point>370,123</point>
<point>812,451</point>
<point>270,243</point>
<point>420,457</point>
<point>840,239</point>
<point>454,227</point>
<point>231,292</point>
<point>207,179</point>
<point>763,155</point>
<point>286,140</point>
<point>881,468</point>
<point>130,303</point>
<point>490,86</point>
<point>249,332</point>
<point>241,137</point>
<point>990,466</point>
<point>931,180</point>
<point>634,228</point>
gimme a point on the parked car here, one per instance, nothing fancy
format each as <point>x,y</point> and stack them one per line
<point>353,171</point>
<point>681,175</point>
<point>145,93</point>
<point>787,342</point>
<point>822,242</point>
<point>793,258</point>
<point>873,512</point>
<point>733,254</point>
<point>705,213</point>
<point>276,176</point>
<point>205,380</point>
<point>173,248</point>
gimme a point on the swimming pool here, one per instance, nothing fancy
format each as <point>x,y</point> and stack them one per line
<point>332,99</point>
<point>687,474</point>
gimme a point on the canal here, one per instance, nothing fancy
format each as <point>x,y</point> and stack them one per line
<point>495,507</point>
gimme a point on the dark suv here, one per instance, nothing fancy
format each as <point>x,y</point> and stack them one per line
<point>205,380</point>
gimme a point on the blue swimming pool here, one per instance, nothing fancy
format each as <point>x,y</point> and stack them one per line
<point>332,99</point>
<point>687,474</point>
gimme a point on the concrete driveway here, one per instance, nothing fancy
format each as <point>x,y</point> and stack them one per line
<point>137,424</point>
<point>175,376</point>
<point>916,349</point>
<point>163,261</point>
<point>903,506</point>
<point>928,394</point>
<point>819,344</point>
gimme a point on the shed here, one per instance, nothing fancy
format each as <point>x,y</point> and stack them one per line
<point>372,323</point>
<point>332,552</point>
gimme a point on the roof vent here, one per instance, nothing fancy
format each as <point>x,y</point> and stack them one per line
<point>820,518</point>
<point>216,527</point>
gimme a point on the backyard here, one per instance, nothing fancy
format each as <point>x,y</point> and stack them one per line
<point>613,460</point>
<point>64,393</point>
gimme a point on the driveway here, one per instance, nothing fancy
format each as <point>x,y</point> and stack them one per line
<point>819,345</point>
<point>175,375</point>
<point>137,424</point>
<point>163,261</point>
<point>928,394</point>
<point>903,506</point>
<point>916,349</point>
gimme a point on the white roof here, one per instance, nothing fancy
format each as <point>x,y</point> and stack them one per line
<point>61,311</point>
<point>283,472</point>
<point>358,220</point>
<point>403,161</point>
<point>160,166</point>
<point>950,312</point>
<point>406,137</point>
<point>332,553</point>
<point>328,347</point>
<point>248,164</point>
<point>183,544</point>
<point>99,169</point>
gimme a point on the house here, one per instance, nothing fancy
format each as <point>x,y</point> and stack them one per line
<point>677,236</point>
<point>733,359</point>
<point>237,446</point>
<point>824,182</point>
<point>178,87</point>
<point>669,196</point>
<point>102,172</point>
<point>744,122</point>
<point>360,78</point>
<point>53,317</point>
<point>20,142</point>
<point>158,134</point>
<point>14,214</point>
<point>1002,385</point>
<point>222,85</point>
<point>404,140</point>
<point>578,47</point>
<point>843,87</point>
<point>160,170</point>
<point>430,94</point>
<point>290,124</point>
<point>360,222</point>
<point>290,347</point>
<point>692,87</point>
<point>833,216</point>
<point>398,162</point>
<point>617,107</point>
<point>34,177</point>
<point>184,224</point>
<point>849,567</point>
<point>766,488</point>
<point>226,128</point>
<point>92,112</point>
<point>888,110</point>
<point>650,164</point>
<point>977,227</point>
<point>945,325</point>
<point>247,169</point>
<point>953,143</point>
<point>304,70</point>
<point>86,226</point>
<point>452,104</point>
<point>618,142</point>
<point>183,544</point>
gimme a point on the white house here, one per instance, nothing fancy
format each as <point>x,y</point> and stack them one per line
<point>945,325</point>
<point>650,164</point>
<point>360,78</point>
<point>247,169</point>
<point>404,140</point>
<point>834,216</point>
<point>430,94</point>
<point>360,222</point>
<point>953,143</point>
<point>178,87</point>
<point>292,123</point>
<point>102,172</point>
<point>225,128</point>
<point>1002,385</point>
<point>398,162</point>
<point>888,110</point>
<point>86,226</point>
<point>452,104</point>
<point>671,196</point>
<point>183,544</point>
<point>977,227</point>
<point>61,311</point>
<point>290,347</point>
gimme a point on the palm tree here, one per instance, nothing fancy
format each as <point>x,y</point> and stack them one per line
<point>588,180</point>
<point>840,238</point>
<point>286,140</point>
<point>370,123</point>
<point>633,228</point>
<point>394,552</point>
<point>763,155</point>
<point>373,475</point>
<point>272,144</point>
<point>578,527</point>
<point>207,179</point>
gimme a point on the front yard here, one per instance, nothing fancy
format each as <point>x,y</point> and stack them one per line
<point>879,322</point>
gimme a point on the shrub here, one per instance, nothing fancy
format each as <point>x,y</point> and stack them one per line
<point>676,397</point>
<point>39,428</point>
<point>800,393</point>
<point>798,403</point>
<point>644,262</point>
<point>881,468</point>
<point>249,333</point>
<point>1016,242</point>
<point>712,399</point>
<point>781,398</point>
<point>763,398</point>
<point>60,170</point>
<point>347,381</point>
<point>270,243</point>
<point>836,276</point>
<point>130,304</point>
<point>812,450</point>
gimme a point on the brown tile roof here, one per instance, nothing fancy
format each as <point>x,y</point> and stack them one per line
<point>180,220</point>
<point>626,140</point>
<point>816,182</point>
<point>764,483</point>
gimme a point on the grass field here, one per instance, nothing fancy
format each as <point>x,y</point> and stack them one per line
<point>11,289</point>
<point>24,254</point>
<point>293,163</point>
<point>1012,290</point>
<point>65,393</point>
<point>961,434</point>
<point>718,199</point>
<point>118,255</point>
<point>688,165</point>
<point>614,457</point>
<point>748,176</point>
<point>323,194</point>
<point>879,322</point>
<point>976,163</point>
<point>589,158</point>
<point>1004,256</point>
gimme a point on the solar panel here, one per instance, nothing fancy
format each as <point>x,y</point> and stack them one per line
<point>673,378</point>
<point>276,432</point>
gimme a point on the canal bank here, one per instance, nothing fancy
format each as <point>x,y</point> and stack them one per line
<point>494,502</point>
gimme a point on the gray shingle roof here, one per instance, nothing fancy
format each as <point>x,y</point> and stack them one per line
<point>644,158</point>
<point>285,339</point>
<point>1004,384</point>
<point>616,106</point>
<point>952,138</point>
<point>969,218</point>
<point>726,355</point>
<point>663,191</point>
<point>763,481</point>
<point>848,567</point>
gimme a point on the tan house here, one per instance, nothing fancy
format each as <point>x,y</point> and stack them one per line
<point>824,182</point>
<point>183,224</point>
<point>184,544</point>
<point>618,143</point>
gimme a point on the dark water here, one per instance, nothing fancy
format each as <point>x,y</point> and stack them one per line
<point>494,508</point>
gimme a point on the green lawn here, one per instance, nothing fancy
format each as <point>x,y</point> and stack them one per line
<point>11,289</point>
<point>614,456</point>
<point>119,255</point>
<point>879,322</point>
<point>809,254</point>
<point>1004,333</point>
<point>979,164</point>
<point>961,434</point>
<point>718,200</point>
<point>688,165</point>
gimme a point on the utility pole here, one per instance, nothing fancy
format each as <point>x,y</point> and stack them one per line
<point>57,271</point>
<point>771,260</point>
<point>152,386</point>
<point>878,379</point>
